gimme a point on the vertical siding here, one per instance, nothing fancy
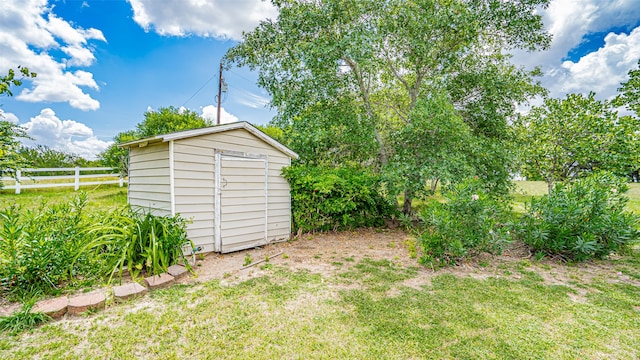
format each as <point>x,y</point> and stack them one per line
<point>242,203</point>
<point>279,201</point>
<point>194,190</point>
<point>149,188</point>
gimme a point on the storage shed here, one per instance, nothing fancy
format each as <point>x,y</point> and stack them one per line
<point>225,179</point>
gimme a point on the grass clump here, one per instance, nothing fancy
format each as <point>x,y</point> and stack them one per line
<point>22,320</point>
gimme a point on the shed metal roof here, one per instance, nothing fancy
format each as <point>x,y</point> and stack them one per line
<point>212,130</point>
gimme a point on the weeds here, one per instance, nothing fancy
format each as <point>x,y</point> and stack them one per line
<point>22,320</point>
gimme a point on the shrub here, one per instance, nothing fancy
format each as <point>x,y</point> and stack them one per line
<point>468,222</point>
<point>38,247</point>
<point>324,198</point>
<point>137,240</point>
<point>52,247</point>
<point>581,220</point>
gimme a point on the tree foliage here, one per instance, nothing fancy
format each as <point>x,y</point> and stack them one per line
<point>163,121</point>
<point>10,79</point>
<point>629,92</point>
<point>9,132</point>
<point>169,119</point>
<point>576,136</point>
<point>435,144</point>
<point>42,156</point>
<point>346,76</point>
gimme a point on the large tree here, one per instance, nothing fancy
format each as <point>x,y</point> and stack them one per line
<point>569,138</point>
<point>350,74</point>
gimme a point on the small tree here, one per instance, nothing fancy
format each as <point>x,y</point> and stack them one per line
<point>574,137</point>
<point>433,146</point>
<point>9,132</point>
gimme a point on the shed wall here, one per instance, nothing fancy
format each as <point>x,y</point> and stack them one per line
<point>194,191</point>
<point>149,187</point>
<point>279,201</point>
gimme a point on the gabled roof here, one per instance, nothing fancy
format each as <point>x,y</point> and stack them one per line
<point>212,130</point>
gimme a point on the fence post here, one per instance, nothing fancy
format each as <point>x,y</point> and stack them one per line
<point>18,175</point>
<point>77,182</point>
<point>121,180</point>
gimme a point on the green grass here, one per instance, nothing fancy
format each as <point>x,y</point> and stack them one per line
<point>365,311</point>
<point>296,314</point>
<point>100,197</point>
<point>525,190</point>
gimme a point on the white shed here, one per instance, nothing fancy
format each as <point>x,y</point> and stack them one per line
<point>225,179</point>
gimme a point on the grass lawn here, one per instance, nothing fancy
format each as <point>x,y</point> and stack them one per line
<point>99,197</point>
<point>363,309</point>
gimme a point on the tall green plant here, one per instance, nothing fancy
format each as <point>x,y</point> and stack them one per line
<point>470,221</point>
<point>38,247</point>
<point>138,241</point>
<point>581,220</point>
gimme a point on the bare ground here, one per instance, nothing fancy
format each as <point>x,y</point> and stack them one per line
<point>333,252</point>
<point>330,253</point>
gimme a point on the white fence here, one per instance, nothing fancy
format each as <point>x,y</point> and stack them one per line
<point>27,175</point>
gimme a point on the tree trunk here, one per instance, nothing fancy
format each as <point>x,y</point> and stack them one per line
<point>434,185</point>
<point>406,206</point>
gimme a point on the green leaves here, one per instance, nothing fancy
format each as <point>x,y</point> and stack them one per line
<point>11,80</point>
<point>54,247</point>
<point>581,220</point>
<point>630,92</point>
<point>137,241</point>
<point>566,139</point>
<point>324,198</point>
<point>471,221</point>
<point>347,76</point>
<point>10,159</point>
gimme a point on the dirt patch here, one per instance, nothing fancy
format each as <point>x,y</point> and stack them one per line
<point>325,254</point>
<point>333,252</point>
<point>329,254</point>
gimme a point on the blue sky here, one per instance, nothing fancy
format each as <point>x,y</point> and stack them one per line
<point>102,63</point>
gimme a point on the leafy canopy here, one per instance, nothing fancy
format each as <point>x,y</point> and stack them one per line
<point>346,76</point>
<point>630,92</point>
<point>569,138</point>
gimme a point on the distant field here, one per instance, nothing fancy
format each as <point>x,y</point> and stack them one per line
<point>526,189</point>
<point>109,196</point>
<point>100,197</point>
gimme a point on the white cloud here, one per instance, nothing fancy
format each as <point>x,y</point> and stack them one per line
<point>224,19</point>
<point>28,32</point>
<point>569,21</point>
<point>602,71</point>
<point>7,116</point>
<point>210,112</point>
<point>63,135</point>
<point>252,100</point>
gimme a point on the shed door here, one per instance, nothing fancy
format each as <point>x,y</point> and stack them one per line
<point>243,203</point>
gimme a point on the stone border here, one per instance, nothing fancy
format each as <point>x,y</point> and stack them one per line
<point>79,304</point>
